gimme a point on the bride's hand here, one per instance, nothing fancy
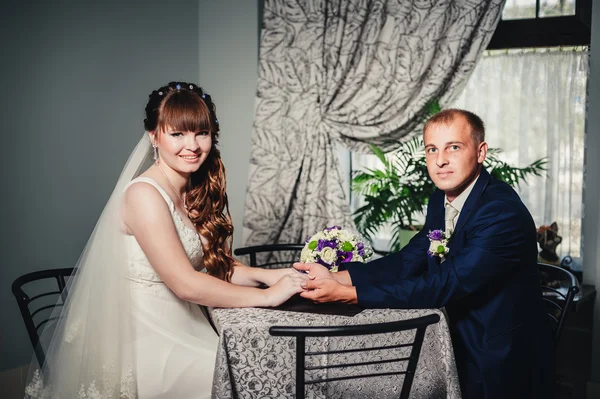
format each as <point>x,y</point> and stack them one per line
<point>287,286</point>
<point>272,276</point>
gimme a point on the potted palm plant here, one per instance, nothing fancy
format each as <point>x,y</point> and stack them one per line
<point>397,194</point>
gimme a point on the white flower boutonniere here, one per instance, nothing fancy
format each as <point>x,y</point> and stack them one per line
<point>438,243</point>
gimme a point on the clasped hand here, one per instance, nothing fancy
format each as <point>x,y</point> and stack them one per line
<point>323,287</point>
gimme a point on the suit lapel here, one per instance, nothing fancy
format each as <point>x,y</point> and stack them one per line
<point>437,207</point>
<point>482,183</point>
<point>438,223</point>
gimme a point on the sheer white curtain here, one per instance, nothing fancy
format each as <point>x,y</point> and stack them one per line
<point>533,104</point>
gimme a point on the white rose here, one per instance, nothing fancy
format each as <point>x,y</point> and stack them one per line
<point>328,255</point>
<point>345,235</point>
<point>433,247</point>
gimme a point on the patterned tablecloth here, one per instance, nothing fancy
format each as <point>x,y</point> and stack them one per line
<point>253,364</point>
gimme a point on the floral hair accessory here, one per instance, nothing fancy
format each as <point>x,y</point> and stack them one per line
<point>438,243</point>
<point>178,86</point>
<point>334,246</point>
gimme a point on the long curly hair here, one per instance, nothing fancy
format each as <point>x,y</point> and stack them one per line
<point>186,107</point>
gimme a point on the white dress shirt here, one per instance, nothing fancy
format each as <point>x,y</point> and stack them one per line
<point>459,202</point>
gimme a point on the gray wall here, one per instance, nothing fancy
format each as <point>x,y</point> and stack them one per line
<point>228,71</point>
<point>591,222</point>
<point>74,82</point>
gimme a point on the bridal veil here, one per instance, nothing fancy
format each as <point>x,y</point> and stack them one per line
<point>90,350</point>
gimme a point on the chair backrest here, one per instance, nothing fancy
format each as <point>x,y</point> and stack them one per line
<point>559,287</point>
<point>36,306</point>
<point>271,256</point>
<point>301,333</point>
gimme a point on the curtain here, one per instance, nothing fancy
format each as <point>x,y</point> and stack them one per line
<point>354,71</point>
<point>533,104</point>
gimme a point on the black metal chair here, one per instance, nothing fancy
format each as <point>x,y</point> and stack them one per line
<point>559,287</point>
<point>419,324</point>
<point>37,306</point>
<point>274,256</point>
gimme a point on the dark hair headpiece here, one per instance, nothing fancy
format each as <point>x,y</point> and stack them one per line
<point>158,96</point>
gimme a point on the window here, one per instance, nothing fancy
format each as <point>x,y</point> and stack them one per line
<point>533,104</point>
<point>524,9</point>
<point>543,23</point>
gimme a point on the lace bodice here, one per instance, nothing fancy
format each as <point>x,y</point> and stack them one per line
<point>140,269</point>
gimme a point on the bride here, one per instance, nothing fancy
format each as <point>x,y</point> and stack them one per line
<point>130,326</point>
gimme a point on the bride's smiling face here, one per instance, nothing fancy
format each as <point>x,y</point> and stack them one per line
<point>183,152</point>
<point>185,130</point>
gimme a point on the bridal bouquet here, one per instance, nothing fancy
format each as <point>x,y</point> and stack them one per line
<point>334,246</point>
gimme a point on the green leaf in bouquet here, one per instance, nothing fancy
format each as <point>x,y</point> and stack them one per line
<point>347,246</point>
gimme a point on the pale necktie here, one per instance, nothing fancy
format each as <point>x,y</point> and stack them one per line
<point>451,213</point>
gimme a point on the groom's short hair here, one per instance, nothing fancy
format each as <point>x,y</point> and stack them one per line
<point>449,115</point>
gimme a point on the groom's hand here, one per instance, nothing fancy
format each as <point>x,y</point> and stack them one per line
<point>314,270</point>
<point>329,290</point>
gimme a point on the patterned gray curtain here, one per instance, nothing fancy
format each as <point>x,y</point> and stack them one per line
<point>356,71</point>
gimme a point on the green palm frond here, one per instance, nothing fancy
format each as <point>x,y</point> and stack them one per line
<point>514,175</point>
<point>432,108</point>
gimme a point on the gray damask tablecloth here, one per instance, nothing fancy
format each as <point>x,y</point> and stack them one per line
<point>253,364</point>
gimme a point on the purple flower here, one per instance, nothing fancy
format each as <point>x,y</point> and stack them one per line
<point>344,257</point>
<point>435,235</point>
<point>322,262</point>
<point>361,249</point>
<point>333,228</point>
<point>326,243</point>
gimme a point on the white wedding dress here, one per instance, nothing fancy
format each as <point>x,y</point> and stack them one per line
<point>121,333</point>
<point>174,344</point>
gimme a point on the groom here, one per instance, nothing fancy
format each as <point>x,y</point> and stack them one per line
<point>488,280</point>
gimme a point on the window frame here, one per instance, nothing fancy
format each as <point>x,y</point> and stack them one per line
<point>571,30</point>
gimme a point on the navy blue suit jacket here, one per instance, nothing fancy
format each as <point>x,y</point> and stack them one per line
<point>489,285</point>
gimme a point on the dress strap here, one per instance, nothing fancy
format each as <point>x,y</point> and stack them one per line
<point>152,182</point>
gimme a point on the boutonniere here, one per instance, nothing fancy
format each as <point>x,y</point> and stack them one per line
<point>438,243</point>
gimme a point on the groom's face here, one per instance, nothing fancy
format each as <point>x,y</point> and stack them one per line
<point>453,156</point>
